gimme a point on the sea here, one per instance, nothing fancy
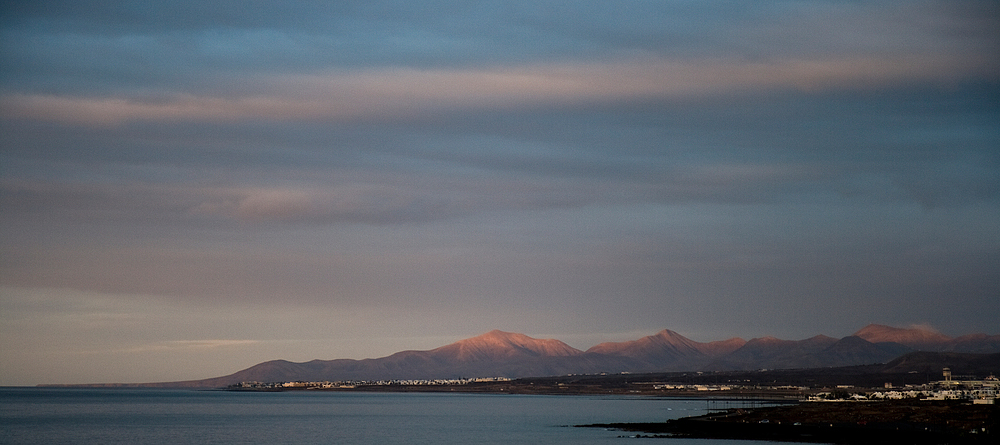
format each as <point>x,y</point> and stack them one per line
<point>157,416</point>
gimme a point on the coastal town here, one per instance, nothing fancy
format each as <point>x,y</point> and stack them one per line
<point>978,391</point>
<point>354,384</point>
<point>953,410</point>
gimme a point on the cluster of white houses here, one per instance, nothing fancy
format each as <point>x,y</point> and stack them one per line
<point>349,384</point>
<point>978,391</point>
<point>684,387</point>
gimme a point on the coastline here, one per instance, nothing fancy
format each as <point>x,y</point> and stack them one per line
<point>531,388</point>
<point>915,422</point>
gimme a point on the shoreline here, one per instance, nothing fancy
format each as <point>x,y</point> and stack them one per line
<point>763,395</point>
<point>916,422</point>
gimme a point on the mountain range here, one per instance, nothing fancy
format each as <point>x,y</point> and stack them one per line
<point>505,354</point>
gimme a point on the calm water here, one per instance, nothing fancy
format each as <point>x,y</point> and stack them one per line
<point>54,416</point>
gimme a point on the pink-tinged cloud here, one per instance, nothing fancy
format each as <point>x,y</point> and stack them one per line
<point>348,202</point>
<point>176,345</point>
<point>275,205</point>
<point>401,92</point>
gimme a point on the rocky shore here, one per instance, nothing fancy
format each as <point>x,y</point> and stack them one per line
<point>912,422</point>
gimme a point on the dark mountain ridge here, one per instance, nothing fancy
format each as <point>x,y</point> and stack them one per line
<point>505,354</point>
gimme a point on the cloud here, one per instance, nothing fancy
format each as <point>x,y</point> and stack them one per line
<point>369,202</point>
<point>275,204</point>
<point>214,174</point>
<point>402,92</point>
<point>181,346</point>
<point>923,327</point>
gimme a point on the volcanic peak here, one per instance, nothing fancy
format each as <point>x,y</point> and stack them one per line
<point>665,341</point>
<point>498,345</point>
<point>767,340</point>
<point>913,337</point>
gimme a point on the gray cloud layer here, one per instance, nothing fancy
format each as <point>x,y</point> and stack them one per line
<point>403,174</point>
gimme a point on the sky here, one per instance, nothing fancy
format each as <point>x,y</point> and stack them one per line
<point>189,188</point>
